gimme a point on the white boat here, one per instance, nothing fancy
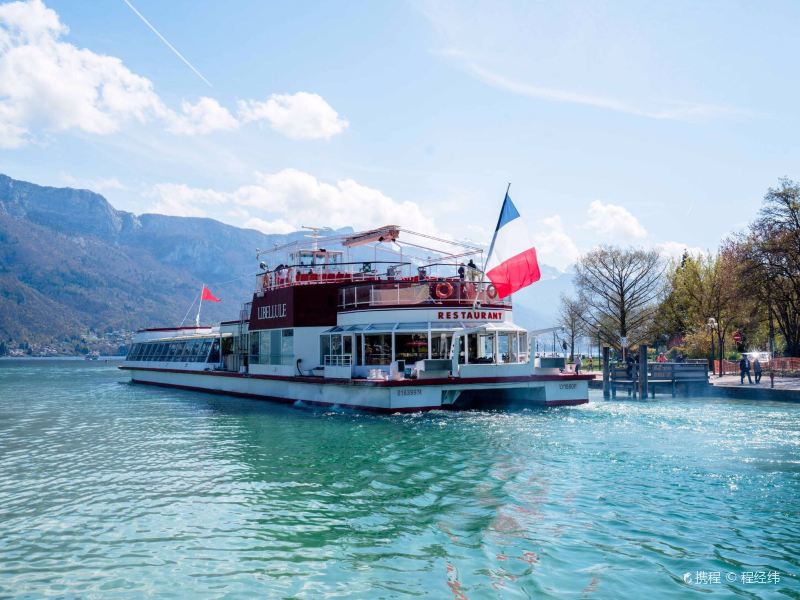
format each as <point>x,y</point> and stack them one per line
<point>326,327</point>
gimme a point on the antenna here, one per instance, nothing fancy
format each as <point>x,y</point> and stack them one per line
<point>315,235</point>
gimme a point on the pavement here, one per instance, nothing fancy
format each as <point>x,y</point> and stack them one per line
<point>781,383</point>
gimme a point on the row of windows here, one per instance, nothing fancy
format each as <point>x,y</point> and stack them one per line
<point>195,350</point>
<point>274,347</point>
<point>376,349</point>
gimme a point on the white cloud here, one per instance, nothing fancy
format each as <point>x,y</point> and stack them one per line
<point>50,85</point>
<point>98,185</point>
<point>201,118</point>
<point>276,226</point>
<point>613,221</point>
<point>300,116</point>
<point>180,200</point>
<point>676,249</point>
<point>287,200</point>
<point>553,245</point>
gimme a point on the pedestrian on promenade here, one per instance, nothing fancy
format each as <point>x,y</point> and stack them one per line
<point>578,364</point>
<point>757,370</point>
<point>590,364</point>
<point>744,369</point>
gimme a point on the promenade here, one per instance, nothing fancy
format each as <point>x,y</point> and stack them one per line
<point>786,388</point>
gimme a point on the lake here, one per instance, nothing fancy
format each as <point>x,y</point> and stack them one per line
<point>109,489</point>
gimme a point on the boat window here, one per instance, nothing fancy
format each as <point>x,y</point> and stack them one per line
<point>324,348</point>
<point>411,347</point>
<point>255,354</point>
<point>213,356</point>
<point>287,347</point>
<point>132,352</point>
<point>412,326</point>
<point>440,344</point>
<point>485,348</point>
<point>359,349</point>
<point>378,349</point>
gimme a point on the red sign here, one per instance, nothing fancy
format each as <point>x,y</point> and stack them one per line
<point>737,337</point>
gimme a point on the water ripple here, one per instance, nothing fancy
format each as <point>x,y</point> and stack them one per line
<point>110,489</point>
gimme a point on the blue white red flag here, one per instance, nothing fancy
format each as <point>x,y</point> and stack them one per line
<point>512,263</point>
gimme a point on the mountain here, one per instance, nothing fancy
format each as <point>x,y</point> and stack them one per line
<point>73,268</point>
<point>71,263</point>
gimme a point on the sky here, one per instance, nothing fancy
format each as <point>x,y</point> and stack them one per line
<point>631,123</point>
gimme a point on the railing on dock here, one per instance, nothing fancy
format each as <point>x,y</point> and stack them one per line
<point>673,376</point>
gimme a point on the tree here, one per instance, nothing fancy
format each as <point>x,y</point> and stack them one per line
<point>706,288</point>
<point>769,255</point>
<point>571,319</point>
<point>620,288</point>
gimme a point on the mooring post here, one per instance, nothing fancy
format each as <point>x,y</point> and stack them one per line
<point>643,371</point>
<point>606,373</point>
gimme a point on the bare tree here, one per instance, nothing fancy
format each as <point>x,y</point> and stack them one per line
<point>571,318</point>
<point>620,288</point>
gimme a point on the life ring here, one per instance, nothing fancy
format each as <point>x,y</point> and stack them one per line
<point>491,291</point>
<point>265,281</point>
<point>444,289</point>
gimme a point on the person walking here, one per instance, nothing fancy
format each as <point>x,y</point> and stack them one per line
<point>757,370</point>
<point>744,369</point>
<point>578,364</point>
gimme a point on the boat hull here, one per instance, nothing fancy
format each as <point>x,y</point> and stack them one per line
<point>381,396</point>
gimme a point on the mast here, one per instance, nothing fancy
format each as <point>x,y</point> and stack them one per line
<point>199,306</point>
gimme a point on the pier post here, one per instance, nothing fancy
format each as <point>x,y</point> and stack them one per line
<point>606,373</point>
<point>643,371</point>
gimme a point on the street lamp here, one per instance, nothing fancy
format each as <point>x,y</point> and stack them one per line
<point>712,326</point>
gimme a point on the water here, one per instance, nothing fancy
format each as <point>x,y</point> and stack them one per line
<point>110,490</point>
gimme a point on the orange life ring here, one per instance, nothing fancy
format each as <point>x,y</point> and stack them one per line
<point>444,289</point>
<point>491,291</point>
<point>265,281</point>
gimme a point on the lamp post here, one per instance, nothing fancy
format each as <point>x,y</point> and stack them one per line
<point>712,325</point>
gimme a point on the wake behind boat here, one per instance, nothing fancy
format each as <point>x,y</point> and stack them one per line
<point>330,327</point>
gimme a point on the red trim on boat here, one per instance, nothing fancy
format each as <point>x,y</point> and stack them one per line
<point>377,409</point>
<point>174,328</point>
<point>368,382</point>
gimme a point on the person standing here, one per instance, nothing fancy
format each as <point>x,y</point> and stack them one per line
<point>578,364</point>
<point>757,370</point>
<point>744,369</point>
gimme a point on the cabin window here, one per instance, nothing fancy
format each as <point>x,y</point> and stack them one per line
<point>485,348</point>
<point>254,348</point>
<point>213,356</point>
<point>324,348</point>
<point>359,349</point>
<point>378,349</point>
<point>440,344</point>
<point>287,347</point>
<point>411,347</point>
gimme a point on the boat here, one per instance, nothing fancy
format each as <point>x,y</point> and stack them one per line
<point>332,323</point>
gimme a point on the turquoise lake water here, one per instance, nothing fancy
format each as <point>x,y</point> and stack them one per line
<point>113,490</point>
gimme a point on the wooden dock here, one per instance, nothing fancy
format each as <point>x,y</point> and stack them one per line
<point>688,378</point>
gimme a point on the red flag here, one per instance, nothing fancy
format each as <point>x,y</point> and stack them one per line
<point>207,295</point>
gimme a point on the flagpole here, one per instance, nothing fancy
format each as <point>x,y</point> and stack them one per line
<point>491,247</point>
<point>199,306</point>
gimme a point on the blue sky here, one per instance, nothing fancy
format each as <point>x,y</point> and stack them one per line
<point>625,122</point>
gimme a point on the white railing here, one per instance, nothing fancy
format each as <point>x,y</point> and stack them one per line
<point>338,360</point>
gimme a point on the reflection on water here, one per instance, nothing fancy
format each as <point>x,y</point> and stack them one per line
<point>106,487</point>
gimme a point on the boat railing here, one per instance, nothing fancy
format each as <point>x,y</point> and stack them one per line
<point>413,291</point>
<point>338,360</point>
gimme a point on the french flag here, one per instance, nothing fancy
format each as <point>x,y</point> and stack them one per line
<point>512,263</point>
